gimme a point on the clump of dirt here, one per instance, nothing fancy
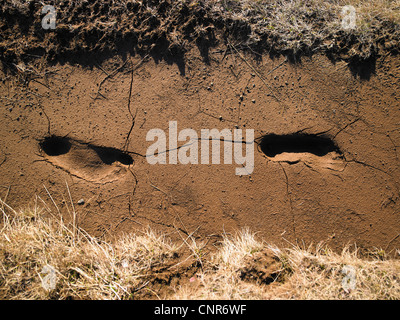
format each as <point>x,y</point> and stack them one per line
<point>162,279</point>
<point>262,267</point>
<point>90,32</point>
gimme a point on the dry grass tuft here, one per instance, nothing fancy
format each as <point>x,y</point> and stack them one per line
<point>31,246</point>
<point>316,25</point>
<point>221,277</point>
<point>45,258</point>
<point>324,274</point>
<point>311,274</point>
<point>289,27</point>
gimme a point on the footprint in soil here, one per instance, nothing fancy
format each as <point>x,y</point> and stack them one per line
<point>313,150</point>
<point>86,161</point>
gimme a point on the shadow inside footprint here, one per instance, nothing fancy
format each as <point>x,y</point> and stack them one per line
<point>111,155</point>
<point>55,146</point>
<point>84,160</point>
<point>314,150</point>
<point>272,144</point>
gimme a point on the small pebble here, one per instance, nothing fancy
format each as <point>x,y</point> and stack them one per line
<point>81,202</point>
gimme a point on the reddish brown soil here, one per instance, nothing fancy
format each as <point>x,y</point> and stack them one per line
<point>348,198</point>
<point>102,108</point>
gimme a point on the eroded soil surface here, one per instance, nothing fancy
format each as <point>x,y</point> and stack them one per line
<point>326,140</point>
<point>326,152</point>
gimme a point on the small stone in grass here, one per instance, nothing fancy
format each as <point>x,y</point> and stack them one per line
<point>81,202</point>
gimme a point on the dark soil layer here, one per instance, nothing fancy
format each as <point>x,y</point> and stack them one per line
<point>88,32</point>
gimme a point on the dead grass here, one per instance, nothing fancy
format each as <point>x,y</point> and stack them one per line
<point>316,25</point>
<point>85,267</point>
<point>320,274</point>
<point>33,248</point>
<point>279,26</point>
<point>304,274</point>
